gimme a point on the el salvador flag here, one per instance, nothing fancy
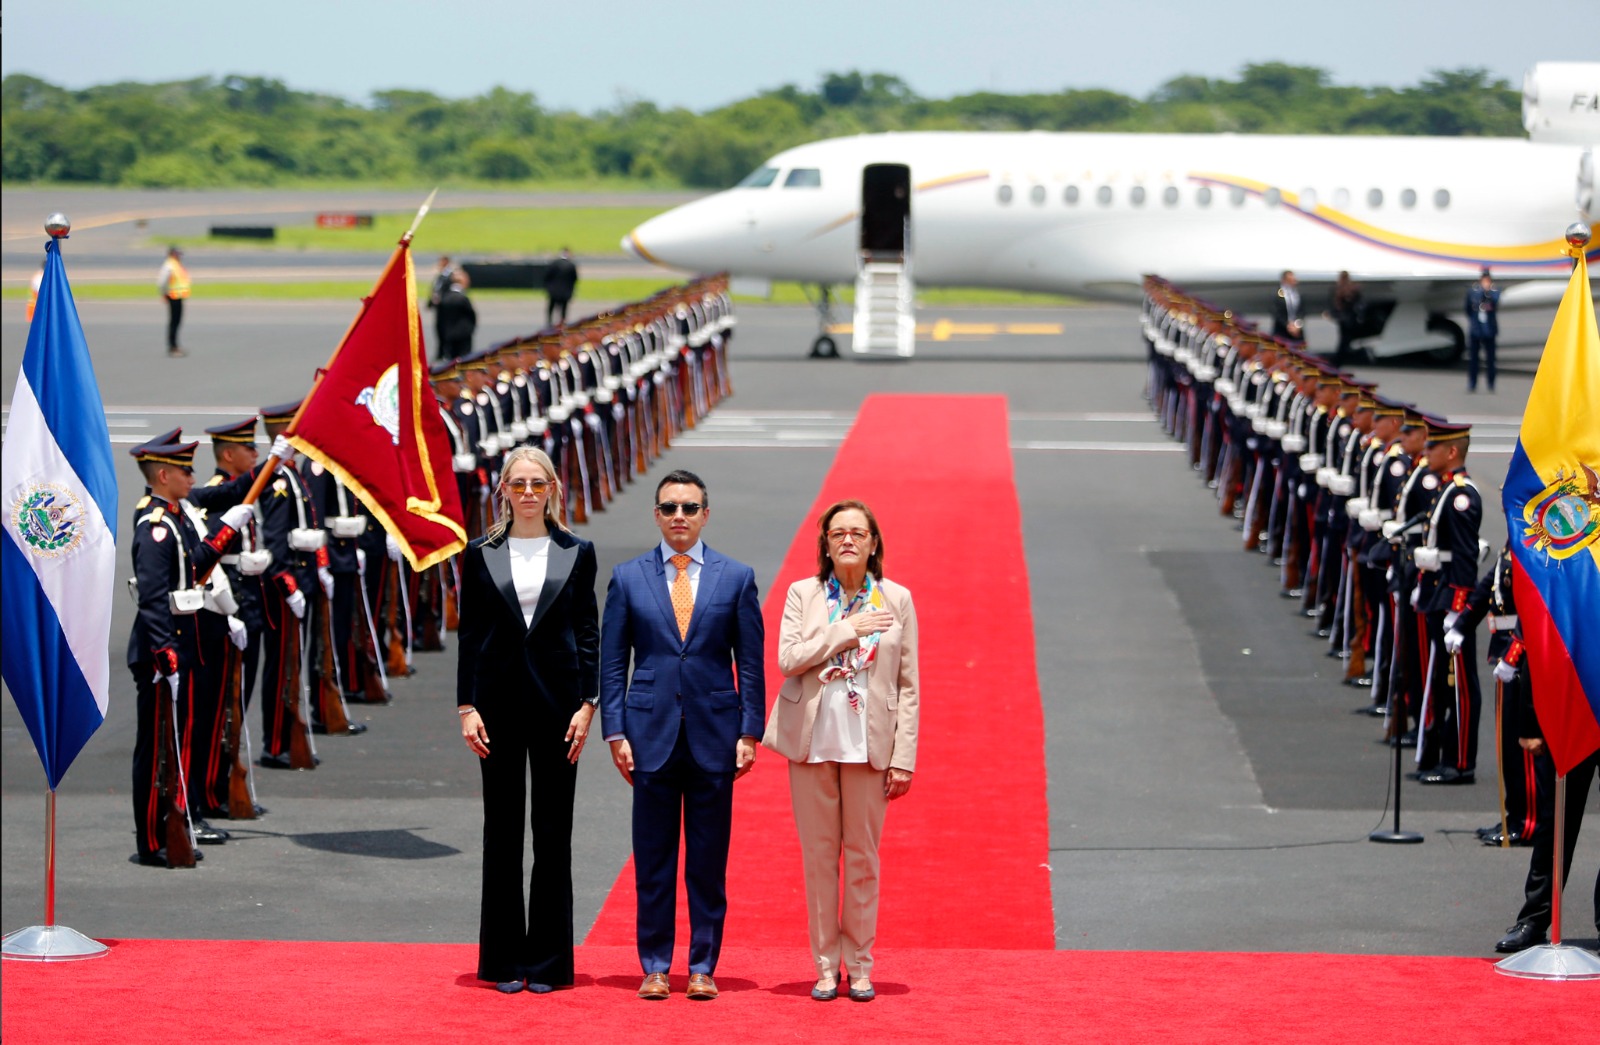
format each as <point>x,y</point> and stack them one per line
<point>58,496</point>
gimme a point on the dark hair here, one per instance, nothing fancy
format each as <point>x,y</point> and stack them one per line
<point>874,561</point>
<point>679,475</point>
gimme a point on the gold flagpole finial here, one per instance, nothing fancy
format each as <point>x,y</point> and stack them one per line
<point>405,240</point>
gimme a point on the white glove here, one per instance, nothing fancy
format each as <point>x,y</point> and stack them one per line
<point>235,518</point>
<point>1450,621</point>
<point>297,605</point>
<point>281,449</point>
<point>1416,596</point>
<point>1390,528</point>
<point>325,575</point>
<point>1505,672</point>
<point>393,546</point>
<point>1453,640</point>
<point>237,634</point>
<point>361,561</point>
<point>175,680</point>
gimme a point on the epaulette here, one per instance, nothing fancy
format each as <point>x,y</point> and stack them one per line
<point>144,502</point>
<point>155,516</point>
<point>1393,451</point>
<point>215,480</point>
<point>1460,480</point>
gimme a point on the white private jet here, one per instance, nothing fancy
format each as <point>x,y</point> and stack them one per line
<point>1221,215</point>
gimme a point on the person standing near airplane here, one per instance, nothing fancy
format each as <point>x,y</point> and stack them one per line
<point>1345,310</point>
<point>1483,327</point>
<point>679,730</point>
<point>560,281</point>
<point>173,281</point>
<point>1288,311</point>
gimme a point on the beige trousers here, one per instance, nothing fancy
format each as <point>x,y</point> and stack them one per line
<point>838,809</point>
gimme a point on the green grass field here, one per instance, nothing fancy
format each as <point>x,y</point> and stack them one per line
<point>480,232</point>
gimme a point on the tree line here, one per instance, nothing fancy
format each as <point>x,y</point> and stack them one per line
<point>254,131</point>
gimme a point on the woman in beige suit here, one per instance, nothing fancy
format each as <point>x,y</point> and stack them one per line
<point>846,719</point>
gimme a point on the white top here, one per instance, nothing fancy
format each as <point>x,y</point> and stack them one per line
<point>839,734</point>
<point>530,559</point>
<point>697,560</point>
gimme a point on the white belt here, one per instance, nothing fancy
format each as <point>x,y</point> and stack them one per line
<point>231,559</point>
<point>1504,622</point>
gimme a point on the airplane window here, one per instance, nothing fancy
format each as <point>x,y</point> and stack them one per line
<point>1036,194</point>
<point>803,178</point>
<point>1202,196</point>
<point>1441,198</point>
<point>1169,196</point>
<point>1408,198</point>
<point>759,178</point>
<point>1236,196</point>
<point>1374,198</point>
<point>1103,195</point>
<point>1272,197</point>
<point>1071,195</point>
<point>1308,200</point>
<point>1136,196</point>
<point>1004,194</point>
<point>1341,198</point>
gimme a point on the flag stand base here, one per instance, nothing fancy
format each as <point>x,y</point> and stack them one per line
<point>1395,837</point>
<point>51,943</point>
<point>1549,961</point>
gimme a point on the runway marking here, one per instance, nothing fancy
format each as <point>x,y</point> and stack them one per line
<point>947,329</point>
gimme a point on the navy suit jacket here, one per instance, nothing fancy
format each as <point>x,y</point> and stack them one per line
<point>690,682</point>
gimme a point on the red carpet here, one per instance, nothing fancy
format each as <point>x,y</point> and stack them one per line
<point>964,851</point>
<point>162,991</point>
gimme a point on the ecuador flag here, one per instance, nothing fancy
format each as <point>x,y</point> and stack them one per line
<point>373,421</point>
<point>1552,505</point>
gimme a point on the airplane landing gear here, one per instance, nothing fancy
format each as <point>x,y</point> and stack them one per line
<point>824,347</point>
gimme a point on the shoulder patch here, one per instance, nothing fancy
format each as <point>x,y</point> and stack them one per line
<point>1430,482</point>
<point>317,468</point>
<point>1397,468</point>
<point>280,486</point>
<point>1462,502</point>
<point>158,533</point>
<point>466,408</point>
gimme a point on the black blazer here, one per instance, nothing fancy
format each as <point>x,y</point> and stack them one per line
<point>555,662</point>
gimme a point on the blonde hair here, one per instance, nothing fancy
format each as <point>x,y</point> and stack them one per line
<point>552,507</point>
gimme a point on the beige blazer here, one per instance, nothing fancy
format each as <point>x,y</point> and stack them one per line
<point>806,643</point>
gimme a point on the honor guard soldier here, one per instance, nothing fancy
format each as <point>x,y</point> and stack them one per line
<point>1348,616</point>
<point>291,531</point>
<point>1447,566</point>
<point>486,409</point>
<point>341,668</point>
<point>1494,599</point>
<point>164,651</point>
<point>1368,510</point>
<point>1404,532</point>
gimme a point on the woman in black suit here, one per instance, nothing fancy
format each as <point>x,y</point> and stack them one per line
<point>527,685</point>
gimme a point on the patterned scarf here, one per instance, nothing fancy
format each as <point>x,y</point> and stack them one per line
<point>853,662</point>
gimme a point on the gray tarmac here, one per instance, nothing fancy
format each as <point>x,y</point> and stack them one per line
<point>1208,787</point>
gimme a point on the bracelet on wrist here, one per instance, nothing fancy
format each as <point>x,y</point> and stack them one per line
<point>466,710</point>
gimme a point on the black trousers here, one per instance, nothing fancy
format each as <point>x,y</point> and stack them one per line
<point>1485,343</point>
<point>1450,736</point>
<point>556,305</point>
<point>532,943</point>
<point>150,805</point>
<point>280,674</point>
<point>174,318</point>
<point>203,732</point>
<point>1540,886</point>
<point>1518,767</point>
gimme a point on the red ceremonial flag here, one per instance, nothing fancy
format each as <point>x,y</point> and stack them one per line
<point>372,420</point>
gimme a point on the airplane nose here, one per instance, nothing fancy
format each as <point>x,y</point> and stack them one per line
<point>630,247</point>
<point>684,237</point>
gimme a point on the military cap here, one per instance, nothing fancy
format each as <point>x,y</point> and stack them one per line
<point>281,414</point>
<point>1442,431</point>
<point>1416,418</point>
<point>1386,407</point>
<point>238,432</point>
<point>444,370</point>
<point>476,361</point>
<point>179,454</point>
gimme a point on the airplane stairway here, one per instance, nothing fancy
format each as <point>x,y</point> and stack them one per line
<point>885,322</point>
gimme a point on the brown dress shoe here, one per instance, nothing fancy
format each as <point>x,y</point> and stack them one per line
<point>655,987</point>
<point>702,987</point>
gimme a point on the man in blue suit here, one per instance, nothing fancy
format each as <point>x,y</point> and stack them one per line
<point>680,731</point>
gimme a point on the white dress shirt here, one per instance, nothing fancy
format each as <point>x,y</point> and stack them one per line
<point>839,734</point>
<point>530,561</point>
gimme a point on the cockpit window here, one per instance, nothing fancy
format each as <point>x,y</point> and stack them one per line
<point>759,178</point>
<point>803,178</point>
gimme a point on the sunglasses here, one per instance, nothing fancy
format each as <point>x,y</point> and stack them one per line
<point>521,486</point>
<point>670,508</point>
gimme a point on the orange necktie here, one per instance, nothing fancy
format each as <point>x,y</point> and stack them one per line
<point>682,595</point>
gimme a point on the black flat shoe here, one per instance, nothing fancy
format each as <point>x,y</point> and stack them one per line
<point>863,994</point>
<point>817,994</point>
<point>509,987</point>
